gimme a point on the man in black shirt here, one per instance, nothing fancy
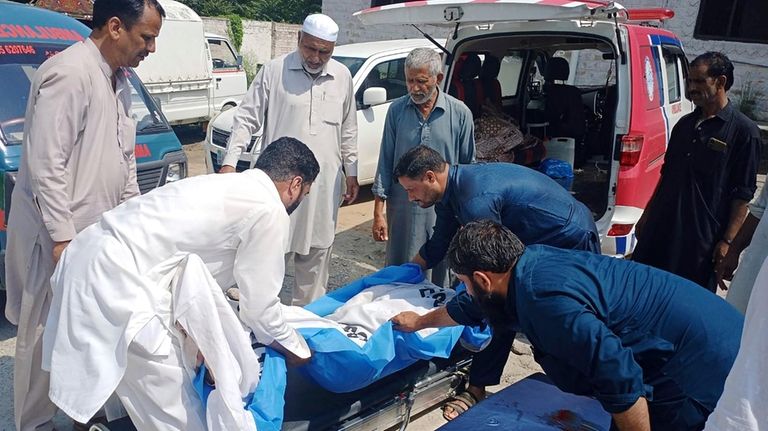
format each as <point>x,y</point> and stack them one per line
<point>707,180</point>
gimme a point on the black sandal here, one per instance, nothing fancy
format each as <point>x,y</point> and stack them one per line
<point>459,403</point>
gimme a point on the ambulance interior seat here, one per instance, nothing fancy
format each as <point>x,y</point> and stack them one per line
<point>489,74</point>
<point>563,107</point>
<point>465,84</point>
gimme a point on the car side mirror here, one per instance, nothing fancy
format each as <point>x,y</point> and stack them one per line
<point>239,61</point>
<point>374,96</point>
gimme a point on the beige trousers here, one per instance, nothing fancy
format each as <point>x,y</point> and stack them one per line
<point>32,408</point>
<point>310,276</point>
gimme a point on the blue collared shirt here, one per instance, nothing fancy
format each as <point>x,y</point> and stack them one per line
<point>529,203</point>
<point>618,330</point>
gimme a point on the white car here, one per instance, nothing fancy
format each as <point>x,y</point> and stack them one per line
<point>378,77</point>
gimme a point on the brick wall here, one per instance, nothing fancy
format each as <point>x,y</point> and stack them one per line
<point>262,40</point>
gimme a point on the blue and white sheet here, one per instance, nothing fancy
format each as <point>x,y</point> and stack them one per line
<point>357,341</point>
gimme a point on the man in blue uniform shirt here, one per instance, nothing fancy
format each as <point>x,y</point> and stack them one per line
<point>529,203</point>
<point>653,348</point>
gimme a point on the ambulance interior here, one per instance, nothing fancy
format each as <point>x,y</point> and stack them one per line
<point>558,90</point>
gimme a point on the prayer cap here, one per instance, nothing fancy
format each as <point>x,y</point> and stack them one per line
<point>321,26</point>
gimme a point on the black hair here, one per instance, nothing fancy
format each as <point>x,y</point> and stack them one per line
<point>286,158</point>
<point>128,11</point>
<point>417,161</point>
<point>484,246</point>
<point>718,64</point>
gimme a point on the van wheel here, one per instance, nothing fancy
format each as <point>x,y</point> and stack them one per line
<point>227,107</point>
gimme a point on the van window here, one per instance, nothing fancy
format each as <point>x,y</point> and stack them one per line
<point>17,67</point>
<point>147,117</point>
<point>672,70</point>
<point>509,74</point>
<point>222,55</point>
<point>389,75</point>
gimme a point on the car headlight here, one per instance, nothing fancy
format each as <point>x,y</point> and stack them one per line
<point>176,171</point>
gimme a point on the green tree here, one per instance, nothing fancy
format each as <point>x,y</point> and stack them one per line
<point>290,11</point>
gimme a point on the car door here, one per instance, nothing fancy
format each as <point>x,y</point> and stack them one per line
<point>229,82</point>
<point>388,73</point>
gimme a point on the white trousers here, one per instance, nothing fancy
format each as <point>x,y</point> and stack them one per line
<point>157,392</point>
<point>310,276</point>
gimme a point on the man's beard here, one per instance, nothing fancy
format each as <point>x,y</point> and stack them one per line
<point>310,70</point>
<point>291,208</point>
<point>493,307</point>
<point>423,98</point>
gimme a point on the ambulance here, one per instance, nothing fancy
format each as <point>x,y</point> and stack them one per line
<point>613,68</point>
<point>28,36</point>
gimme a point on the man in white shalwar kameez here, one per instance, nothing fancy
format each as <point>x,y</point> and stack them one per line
<point>309,96</point>
<point>125,295</point>
<point>743,406</point>
<point>77,162</point>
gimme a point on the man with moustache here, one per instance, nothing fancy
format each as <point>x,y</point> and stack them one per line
<point>531,204</point>
<point>425,116</point>
<point>306,95</point>
<point>707,180</point>
<point>77,162</point>
<point>639,340</point>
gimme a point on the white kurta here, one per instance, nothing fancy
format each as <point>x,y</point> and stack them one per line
<point>744,403</point>
<point>752,258</point>
<point>320,112</point>
<point>114,277</point>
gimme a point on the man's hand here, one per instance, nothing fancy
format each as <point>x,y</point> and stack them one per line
<point>58,249</point>
<point>353,188</point>
<point>379,228</point>
<point>291,358</point>
<point>226,169</point>
<point>636,418</point>
<point>725,262</point>
<point>407,321</point>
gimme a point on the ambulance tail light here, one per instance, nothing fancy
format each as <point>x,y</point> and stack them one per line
<point>653,14</point>
<point>631,146</point>
<point>620,229</point>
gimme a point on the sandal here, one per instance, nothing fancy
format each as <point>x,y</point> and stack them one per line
<point>458,404</point>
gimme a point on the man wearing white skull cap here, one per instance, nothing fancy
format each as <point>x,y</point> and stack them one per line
<point>306,95</point>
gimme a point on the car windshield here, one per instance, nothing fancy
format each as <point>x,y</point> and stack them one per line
<point>352,63</point>
<point>18,63</point>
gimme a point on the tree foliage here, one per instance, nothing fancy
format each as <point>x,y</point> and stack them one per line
<point>290,11</point>
<point>236,30</point>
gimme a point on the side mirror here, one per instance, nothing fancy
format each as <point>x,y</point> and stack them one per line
<point>239,61</point>
<point>374,96</point>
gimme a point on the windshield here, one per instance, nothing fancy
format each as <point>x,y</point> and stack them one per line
<point>352,63</point>
<point>18,63</point>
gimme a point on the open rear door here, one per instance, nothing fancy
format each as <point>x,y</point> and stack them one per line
<point>452,12</point>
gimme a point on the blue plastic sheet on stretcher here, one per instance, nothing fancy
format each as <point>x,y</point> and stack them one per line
<point>340,365</point>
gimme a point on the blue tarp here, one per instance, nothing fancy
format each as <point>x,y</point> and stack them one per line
<point>336,356</point>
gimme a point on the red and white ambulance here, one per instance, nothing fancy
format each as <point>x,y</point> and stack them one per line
<point>613,68</point>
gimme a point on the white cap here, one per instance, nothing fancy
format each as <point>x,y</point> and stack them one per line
<point>321,26</point>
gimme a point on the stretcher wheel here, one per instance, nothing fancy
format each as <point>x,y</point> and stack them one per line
<point>98,427</point>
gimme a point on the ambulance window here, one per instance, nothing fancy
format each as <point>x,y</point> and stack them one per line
<point>672,69</point>
<point>509,74</point>
<point>221,54</point>
<point>389,75</point>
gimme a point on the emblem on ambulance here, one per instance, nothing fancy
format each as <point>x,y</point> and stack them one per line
<point>649,78</point>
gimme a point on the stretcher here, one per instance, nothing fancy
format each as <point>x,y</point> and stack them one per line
<point>407,386</point>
